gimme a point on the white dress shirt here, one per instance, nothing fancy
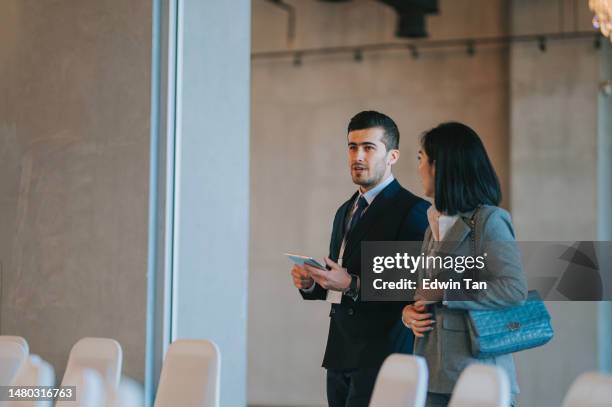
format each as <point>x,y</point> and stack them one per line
<point>445,223</point>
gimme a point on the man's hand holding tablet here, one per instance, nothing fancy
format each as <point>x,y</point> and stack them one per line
<point>332,277</point>
<point>301,260</point>
<point>301,277</point>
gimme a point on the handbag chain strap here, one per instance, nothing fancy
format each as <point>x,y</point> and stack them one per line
<point>473,229</point>
<point>472,223</point>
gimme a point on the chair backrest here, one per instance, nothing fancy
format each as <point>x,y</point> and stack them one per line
<point>90,386</point>
<point>33,372</point>
<point>481,386</point>
<point>101,354</point>
<point>590,389</point>
<point>129,394</point>
<point>12,355</point>
<point>20,340</point>
<point>190,375</point>
<point>401,382</point>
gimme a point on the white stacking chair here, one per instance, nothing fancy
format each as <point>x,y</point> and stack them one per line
<point>481,386</point>
<point>90,388</point>
<point>13,354</point>
<point>93,361</point>
<point>17,339</point>
<point>129,394</point>
<point>33,372</point>
<point>101,354</point>
<point>590,389</point>
<point>401,382</point>
<point>190,375</point>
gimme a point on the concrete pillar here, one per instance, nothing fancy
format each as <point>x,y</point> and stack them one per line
<point>604,203</point>
<point>211,194</point>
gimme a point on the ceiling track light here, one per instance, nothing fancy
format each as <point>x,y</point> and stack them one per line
<point>358,55</point>
<point>597,42</point>
<point>470,48</point>
<point>414,51</point>
<point>542,44</point>
<point>297,59</point>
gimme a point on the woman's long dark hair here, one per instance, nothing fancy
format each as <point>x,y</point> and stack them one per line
<point>464,176</point>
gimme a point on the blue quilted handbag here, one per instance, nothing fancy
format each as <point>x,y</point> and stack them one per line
<point>501,331</point>
<point>498,332</point>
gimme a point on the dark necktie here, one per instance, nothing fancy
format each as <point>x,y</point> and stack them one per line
<point>361,205</point>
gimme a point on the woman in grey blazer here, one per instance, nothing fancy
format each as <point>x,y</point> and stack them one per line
<point>458,176</point>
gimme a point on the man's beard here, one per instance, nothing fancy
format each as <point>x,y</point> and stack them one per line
<point>371,181</point>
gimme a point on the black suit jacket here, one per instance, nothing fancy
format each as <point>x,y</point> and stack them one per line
<point>363,334</point>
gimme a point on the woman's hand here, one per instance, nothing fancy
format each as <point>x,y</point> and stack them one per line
<point>415,317</point>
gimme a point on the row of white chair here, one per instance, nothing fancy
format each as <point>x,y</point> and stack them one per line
<point>402,382</point>
<point>94,367</point>
<point>19,368</point>
<point>190,374</point>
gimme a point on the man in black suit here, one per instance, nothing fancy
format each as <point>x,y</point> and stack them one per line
<point>362,334</point>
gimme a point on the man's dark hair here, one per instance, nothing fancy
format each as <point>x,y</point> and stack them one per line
<point>369,119</point>
<point>465,177</point>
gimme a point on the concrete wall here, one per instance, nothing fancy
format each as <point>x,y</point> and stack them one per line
<point>536,111</point>
<point>553,124</point>
<point>74,131</point>
<point>299,172</point>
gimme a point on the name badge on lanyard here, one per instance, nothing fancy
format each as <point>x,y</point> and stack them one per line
<point>335,297</point>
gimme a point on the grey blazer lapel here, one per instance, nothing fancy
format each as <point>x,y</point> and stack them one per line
<point>454,237</point>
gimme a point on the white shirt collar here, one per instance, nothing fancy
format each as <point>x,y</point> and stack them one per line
<point>445,223</point>
<point>373,193</point>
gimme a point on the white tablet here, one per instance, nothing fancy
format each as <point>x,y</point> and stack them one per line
<point>301,260</point>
